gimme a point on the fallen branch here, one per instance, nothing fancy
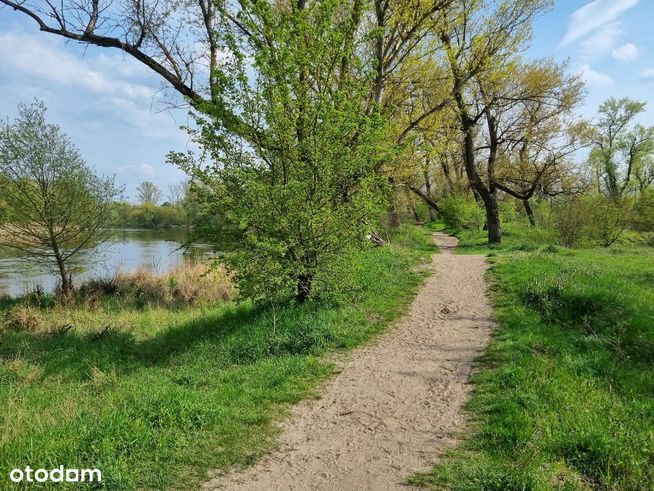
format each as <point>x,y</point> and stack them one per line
<point>99,335</point>
<point>376,239</point>
<point>60,331</point>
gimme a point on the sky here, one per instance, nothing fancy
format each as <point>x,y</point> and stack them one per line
<point>112,108</point>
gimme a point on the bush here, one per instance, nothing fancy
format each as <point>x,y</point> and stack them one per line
<point>643,216</point>
<point>593,219</point>
<point>607,219</point>
<point>568,220</point>
<point>461,212</point>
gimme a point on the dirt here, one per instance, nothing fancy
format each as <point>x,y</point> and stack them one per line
<point>396,404</point>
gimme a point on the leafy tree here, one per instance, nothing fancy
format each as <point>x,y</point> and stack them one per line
<point>285,208</point>
<point>481,42</point>
<point>57,206</point>
<point>148,193</point>
<point>623,153</point>
<point>531,129</point>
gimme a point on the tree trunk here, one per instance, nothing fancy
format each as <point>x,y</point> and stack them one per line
<point>66,283</point>
<point>530,212</point>
<point>394,217</point>
<point>493,219</point>
<point>415,214</point>
<point>432,213</point>
<point>303,288</point>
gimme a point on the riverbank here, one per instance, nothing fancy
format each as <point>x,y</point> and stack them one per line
<point>157,251</point>
<point>164,394</point>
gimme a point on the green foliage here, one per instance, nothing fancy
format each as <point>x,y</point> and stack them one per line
<point>149,215</point>
<point>568,220</point>
<point>643,216</point>
<point>623,151</point>
<point>289,206</point>
<point>167,394</point>
<point>607,219</point>
<point>148,193</point>
<point>57,207</point>
<point>462,212</point>
<point>564,397</point>
<point>589,219</point>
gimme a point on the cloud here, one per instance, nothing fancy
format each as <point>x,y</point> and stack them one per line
<point>628,52</point>
<point>594,78</point>
<point>593,16</point>
<point>647,75</point>
<point>139,169</point>
<point>602,41</point>
<point>25,54</point>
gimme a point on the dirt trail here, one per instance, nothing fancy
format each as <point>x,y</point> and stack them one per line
<point>394,406</point>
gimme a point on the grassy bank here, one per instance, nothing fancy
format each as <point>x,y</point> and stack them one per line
<point>168,393</point>
<point>564,398</point>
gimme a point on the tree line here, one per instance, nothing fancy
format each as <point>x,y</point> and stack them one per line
<point>315,119</point>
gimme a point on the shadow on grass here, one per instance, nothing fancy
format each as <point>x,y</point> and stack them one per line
<point>72,355</point>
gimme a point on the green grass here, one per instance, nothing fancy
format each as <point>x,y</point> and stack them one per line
<point>168,394</point>
<point>564,398</point>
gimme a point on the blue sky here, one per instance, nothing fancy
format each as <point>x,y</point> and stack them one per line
<point>112,107</point>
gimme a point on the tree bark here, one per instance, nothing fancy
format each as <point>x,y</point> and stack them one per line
<point>432,212</point>
<point>493,219</point>
<point>415,214</point>
<point>66,284</point>
<point>530,212</point>
<point>303,288</point>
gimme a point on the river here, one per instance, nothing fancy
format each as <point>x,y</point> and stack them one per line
<point>158,250</point>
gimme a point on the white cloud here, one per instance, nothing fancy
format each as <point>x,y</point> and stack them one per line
<point>648,74</point>
<point>594,78</point>
<point>628,52</point>
<point>602,41</point>
<point>592,16</point>
<point>30,56</point>
<point>140,169</point>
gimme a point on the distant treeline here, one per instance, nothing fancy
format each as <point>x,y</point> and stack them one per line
<point>177,210</point>
<point>149,215</point>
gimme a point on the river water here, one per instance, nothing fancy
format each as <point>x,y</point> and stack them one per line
<point>157,250</point>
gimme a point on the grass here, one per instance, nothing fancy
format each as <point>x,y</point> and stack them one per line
<point>564,398</point>
<point>169,393</point>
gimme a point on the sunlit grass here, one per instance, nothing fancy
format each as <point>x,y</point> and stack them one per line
<point>564,395</point>
<point>166,394</point>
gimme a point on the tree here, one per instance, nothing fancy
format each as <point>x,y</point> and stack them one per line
<point>58,208</point>
<point>176,194</point>
<point>623,153</point>
<point>480,45</point>
<point>148,193</point>
<point>283,209</point>
<point>532,129</point>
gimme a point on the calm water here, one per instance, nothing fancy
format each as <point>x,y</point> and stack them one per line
<point>154,249</point>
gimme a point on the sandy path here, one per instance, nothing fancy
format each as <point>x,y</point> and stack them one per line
<point>392,409</point>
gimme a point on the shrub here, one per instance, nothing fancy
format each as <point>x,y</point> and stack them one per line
<point>461,212</point>
<point>568,219</point>
<point>607,219</point>
<point>643,216</point>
